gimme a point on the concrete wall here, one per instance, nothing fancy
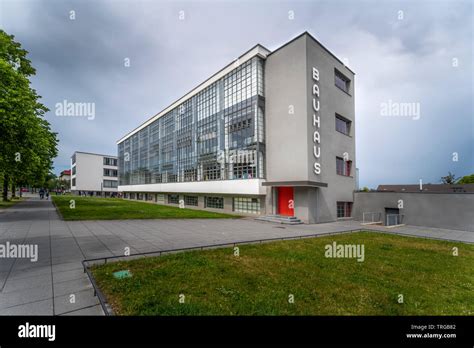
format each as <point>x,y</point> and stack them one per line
<point>285,133</point>
<point>307,201</point>
<point>289,137</point>
<point>442,210</point>
<point>333,143</point>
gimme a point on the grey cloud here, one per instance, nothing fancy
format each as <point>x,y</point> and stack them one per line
<point>408,60</point>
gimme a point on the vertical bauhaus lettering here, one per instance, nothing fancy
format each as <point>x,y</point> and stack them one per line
<point>316,122</point>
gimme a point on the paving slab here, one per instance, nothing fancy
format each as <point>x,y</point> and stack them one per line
<point>44,307</point>
<point>91,311</point>
<point>82,299</point>
<point>25,296</point>
<point>21,284</point>
<point>72,286</point>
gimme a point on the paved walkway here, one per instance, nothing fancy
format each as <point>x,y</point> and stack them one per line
<point>45,287</point>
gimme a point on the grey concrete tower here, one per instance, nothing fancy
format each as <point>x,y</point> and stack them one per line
<point>310,133</point>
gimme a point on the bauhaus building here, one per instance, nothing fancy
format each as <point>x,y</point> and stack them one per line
<point>272,133</point>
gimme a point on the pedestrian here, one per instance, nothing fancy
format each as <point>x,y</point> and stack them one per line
<point>47,194</point>
<point>41,193</point>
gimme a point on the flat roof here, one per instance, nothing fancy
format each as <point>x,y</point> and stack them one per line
<point>94,154</point>
<point>257,50</point>
<point>319,43</point>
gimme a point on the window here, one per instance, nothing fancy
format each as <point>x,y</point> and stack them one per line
<point>247,205</point>
<point>173,199</point>
<point>341,81</point>
<point>240,125</point>
<point>344,209</point>
<point>212,171</point>
<point>160,198</point>
<point>343,167</point>
<point>110,183</point>
<point>110,172</point>
<point>244,171</point>
<point>73,182</point>
<point>110,161</point>
<point>73,159</point>
<point>191,200</point>
<point>343,125</point>
<point>190,174</point>
<point>74,170</point>
<point>182,145</point>
<point>214,202</point>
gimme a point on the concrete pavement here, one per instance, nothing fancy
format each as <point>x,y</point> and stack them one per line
<point>56,283</point>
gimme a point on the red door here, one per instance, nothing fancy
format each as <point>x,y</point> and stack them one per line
<point>286,201</point>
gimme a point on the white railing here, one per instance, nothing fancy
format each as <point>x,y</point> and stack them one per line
<point>394,219</point>
<point>371,217</point>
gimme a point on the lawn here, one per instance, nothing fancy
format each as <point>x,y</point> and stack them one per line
<point>260,280</point>
<point>93,208</point>
<point>7,204</point>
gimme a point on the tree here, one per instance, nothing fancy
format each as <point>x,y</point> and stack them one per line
<point>27,144</point>
<point>468,179</point>
<point>448,179</point>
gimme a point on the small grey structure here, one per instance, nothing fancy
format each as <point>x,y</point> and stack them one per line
<point>271,133</point>
<point>441,206</point>
<point>94,174</point>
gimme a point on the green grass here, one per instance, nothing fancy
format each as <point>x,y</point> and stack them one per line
<point>93,208</point>
<point>9,203</point>
<point>259,281</point>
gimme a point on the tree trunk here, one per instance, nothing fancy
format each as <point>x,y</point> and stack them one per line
<point>5,187</point>
<point>13,189</point>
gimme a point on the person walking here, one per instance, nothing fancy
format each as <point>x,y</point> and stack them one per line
<point>47,194</point>
<point>41,193</point>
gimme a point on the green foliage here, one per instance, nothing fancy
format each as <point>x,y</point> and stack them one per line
<point>448,179</point>
<point>27,144</point>
<point>468,179</point>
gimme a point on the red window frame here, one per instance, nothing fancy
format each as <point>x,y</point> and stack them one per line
<point>348,168</point>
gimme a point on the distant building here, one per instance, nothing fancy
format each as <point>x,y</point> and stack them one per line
<point>438,188</point>
<point>94,174</point>
<point>65,175</point>
<point>65,180</point>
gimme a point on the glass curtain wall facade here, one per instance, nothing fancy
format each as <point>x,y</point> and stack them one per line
<point>218,134</point>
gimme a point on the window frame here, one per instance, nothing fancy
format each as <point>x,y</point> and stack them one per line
<point>345,207</point>
<point>214,200</point>
<point>347,122</point>
<point>347,81</point>
<point>109,181</point>
<point>190,200</point>
<point>170,198</point>
<point>246,205</point>
<point>346,169</point>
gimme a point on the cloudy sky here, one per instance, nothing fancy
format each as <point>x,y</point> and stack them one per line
<point>402,52</point>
